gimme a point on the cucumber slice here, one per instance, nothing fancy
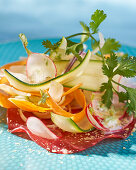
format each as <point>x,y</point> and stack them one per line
<point>72,74</point>
<point>67,124</point>
<point>92,77</point>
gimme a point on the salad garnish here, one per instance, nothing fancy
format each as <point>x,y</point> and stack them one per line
<point>67,99</point>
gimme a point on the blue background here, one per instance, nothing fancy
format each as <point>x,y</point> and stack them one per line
<point>54,18</point>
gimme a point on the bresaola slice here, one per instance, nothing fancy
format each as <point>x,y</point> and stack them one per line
<point>68,142</point>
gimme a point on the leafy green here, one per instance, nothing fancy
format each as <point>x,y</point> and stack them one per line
<point>131,99</point>
<point>110,46</point>
<point>108,93</point>
<point>114,65</point>
<point>85,30</point>
<point>97,18</point>
<point>109,66</point>
<point>47,44</point>
<point>127,66</point>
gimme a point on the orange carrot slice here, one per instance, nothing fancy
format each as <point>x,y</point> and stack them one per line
<point>72,89</point>
<point>75,117</point>
<point>7,66</point>
<point>4,102</point>
<point>28,106</point>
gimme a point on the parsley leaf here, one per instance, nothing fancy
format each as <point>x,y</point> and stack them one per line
<point>97,18</point>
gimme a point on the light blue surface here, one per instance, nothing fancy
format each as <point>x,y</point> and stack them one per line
<point>55,18</point>
<point>20,154</point>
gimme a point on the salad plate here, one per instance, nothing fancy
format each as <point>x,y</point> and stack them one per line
<point>68,105</point>
<point>18,153</point>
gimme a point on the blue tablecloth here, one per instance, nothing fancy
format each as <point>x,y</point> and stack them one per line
<point>20,154</point>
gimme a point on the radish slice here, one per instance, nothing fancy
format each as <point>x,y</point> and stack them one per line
<point>56,91</point>
<point>93,121</point>
<point>40,68</point>
<point>113,119</point>
<point>37,127</point>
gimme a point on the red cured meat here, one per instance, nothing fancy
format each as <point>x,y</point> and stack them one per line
<point>68,142</point>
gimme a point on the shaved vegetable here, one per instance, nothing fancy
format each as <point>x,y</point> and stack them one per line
<point>12,91</point>
<point>7,66</point>
<point>27,105</point>
<point>40,68</point>
<point>37,127</point>
<point>76,72</point>
<point>4,102</point>
<point>56,91</point>
<point>67,124</point>
<point>75,117</point>
<point>72,89</point>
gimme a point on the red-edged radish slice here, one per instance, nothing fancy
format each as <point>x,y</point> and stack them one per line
<point>40,68</point>
<point>37,127</point>
<point>92,120</point>
<point>113,119</point>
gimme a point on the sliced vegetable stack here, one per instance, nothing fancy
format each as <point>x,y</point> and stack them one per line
<point>66,99</point>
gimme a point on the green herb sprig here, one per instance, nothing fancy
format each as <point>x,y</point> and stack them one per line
<point>113,65</point>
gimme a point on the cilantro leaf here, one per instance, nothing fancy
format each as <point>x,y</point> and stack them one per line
<point>47,44</point>
<point>75,49</point>
<point>131,102</point>
<point>110,64</point>
<point>108,94</point>
<point>110,46</point>
<point>127,66</point>
<point>97,18</point>
<point>85,30</point>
